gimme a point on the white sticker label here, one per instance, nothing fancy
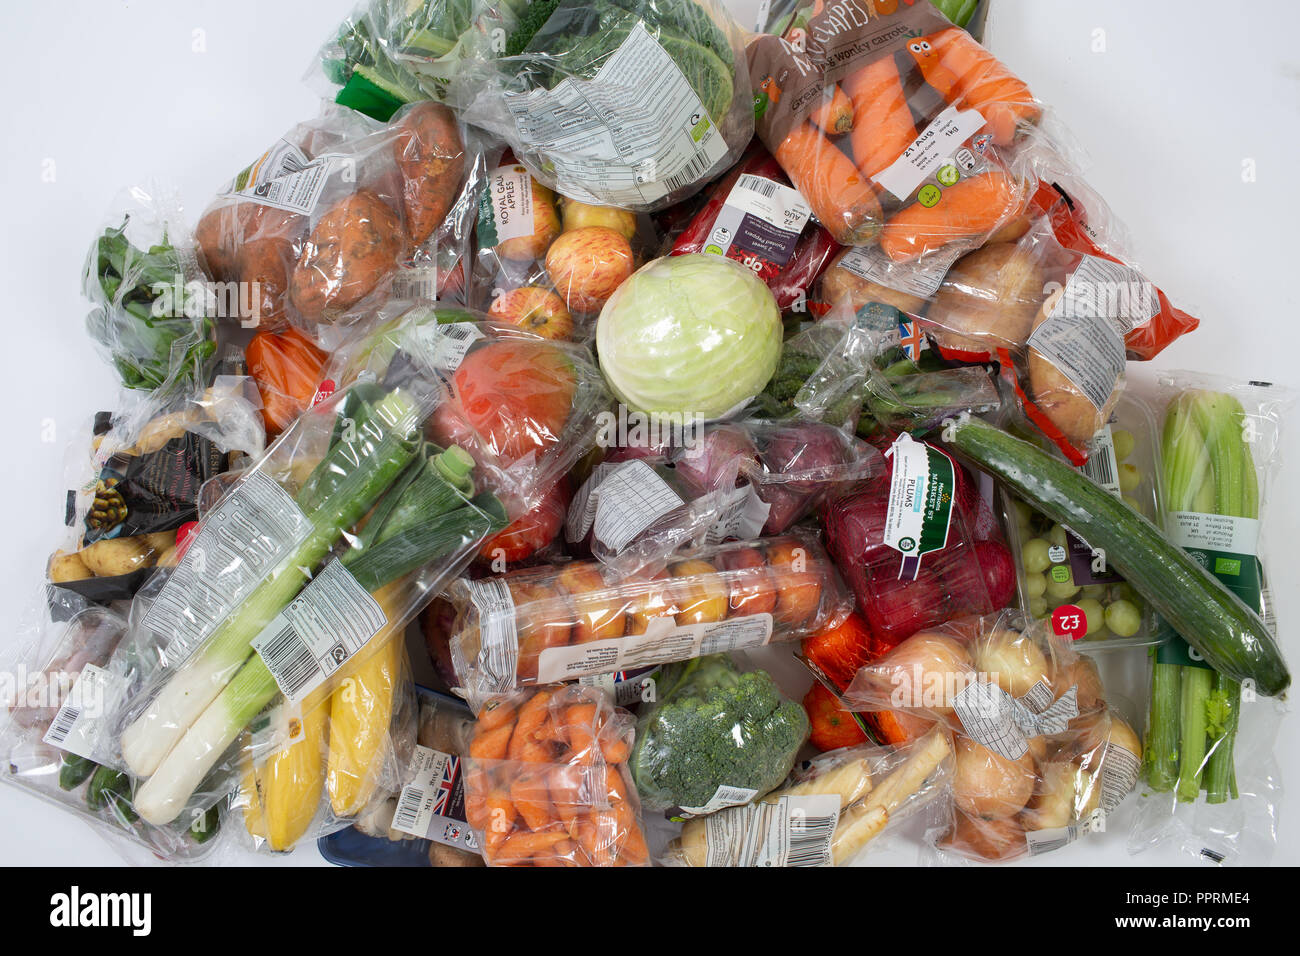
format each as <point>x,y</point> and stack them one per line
<point>510,194</point>
<point>993,718</point>
<point>1045,841</point>
<point>81,726</point>
<point>921,278</point>
<point>498,637</point>
<point>441,348</point>
<point>248,535</point>
<point>631,135</point>
<point>618,502</point>
<point>330,620</point>
<point>623,688</point>
<point>284,178</point>
<point>761,219</point>
<point>427,806</point>
<point>793,831</point>
<point>1119,774</point>
<point>662,641</point>
<point>741,515</point>
<point>1202,532</point>
<point>415,284</point>
<point>1102,465</point>
<point>928,152</point>
<point>723,797</point>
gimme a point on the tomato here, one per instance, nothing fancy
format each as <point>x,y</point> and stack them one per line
<point>531,531</point>
<point>838,652</point>
<point>514,395</point>
<point>832,726</point>
<point>286,367</point>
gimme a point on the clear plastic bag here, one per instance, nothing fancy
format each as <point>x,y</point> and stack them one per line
<point>713,738</point>
<point>573,74</point>
<point>547,781</point>
<point>1039,757</point>
<point>544,624</point>
<point>837,101</point>
<point>827,813</point>
<point>151,316</point>
<point>72,665</point>
<point>344,212</point>
<point>1210,782</point>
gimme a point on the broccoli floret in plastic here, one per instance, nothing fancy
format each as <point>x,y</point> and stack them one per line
<point>714,726</point>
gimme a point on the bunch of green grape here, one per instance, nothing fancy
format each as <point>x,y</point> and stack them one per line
<point>1112,610</point>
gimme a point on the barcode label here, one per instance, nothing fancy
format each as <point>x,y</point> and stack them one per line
<point>243,540</point>
<point>498,639</point>
<point>332,619</point>
<point>628,136</point>
<point>441,348</point>
<point>83,724</point>
<point>416,284</point>
<point>1045,841</point>
<point>725,796</point>
<point>432,804</point>
<point>791,831</point>
<point>757,184</point>
<point>1102,465</point>
<point>408,810</point>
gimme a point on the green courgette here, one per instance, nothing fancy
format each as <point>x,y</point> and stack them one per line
<point>1229,635</point>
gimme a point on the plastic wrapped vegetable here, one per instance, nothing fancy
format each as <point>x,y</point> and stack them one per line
<point>714,738</point>
<point>547,781</point>
<point>544,624</point>
<point>573,69</point>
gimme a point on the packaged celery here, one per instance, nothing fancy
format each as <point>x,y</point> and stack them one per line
<point>1209,774</point>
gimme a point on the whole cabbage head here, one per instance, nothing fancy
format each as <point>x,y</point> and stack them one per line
<point>693,335</point>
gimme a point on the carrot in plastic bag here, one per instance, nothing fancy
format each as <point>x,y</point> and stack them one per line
<point>841,198</point>
<point>835,114</point>
<point>970,209</point>
<point>960,69</point>
<point>882,121</point>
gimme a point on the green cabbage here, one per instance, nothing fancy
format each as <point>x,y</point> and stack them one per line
<point>689,335</point>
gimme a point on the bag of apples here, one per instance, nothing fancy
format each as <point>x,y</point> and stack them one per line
<point>548,263</point>
<point>545,624</point>
<point>1040,759</point>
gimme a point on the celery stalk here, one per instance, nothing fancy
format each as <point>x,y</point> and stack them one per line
<point>1196,686</point>
<point>1162,731</point>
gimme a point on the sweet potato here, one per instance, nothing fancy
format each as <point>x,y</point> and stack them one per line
<point>431,156</point>
<point>355,244</point>
<point>988,300</point>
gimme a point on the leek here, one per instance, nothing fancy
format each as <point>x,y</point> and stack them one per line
<point>358,469</point>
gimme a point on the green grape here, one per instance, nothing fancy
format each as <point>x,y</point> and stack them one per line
<point>1024,514</point>
<point>1123,618</point>
<point>1034,556</point>
<point>1038,607</point>
<point>1095,591</point>
<point>1129,477</point>
<point>1093,611</point>
<point>1035,585</point>
<point>1058,536</point>
<point>1123,441</point>
<point>1134,504</point>
<point>1061,591</point>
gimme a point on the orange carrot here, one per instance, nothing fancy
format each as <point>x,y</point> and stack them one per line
<point>960,69</point>
<point>578,731</point>
<point>532,800</point>
<point>523,846</point>
<point>882,122</point>
<point>835,113</point>
<point>494,714</point>
<point>972,208</point>
<point>841,198</point>
<point>530,724</point>
<point>491,744</point>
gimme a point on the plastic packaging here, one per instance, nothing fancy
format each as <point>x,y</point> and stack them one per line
<point>343,212</point>
<point>1039,757</point>
<point>547,782</point>
<point>139,485</point>
<point>257,606</point>
<point>714,738</point>
<point>1210,781</point>
<point>893,124</point>
<point>548,263</point>
<point>754,216</point>
<point>827,813</point>
<point>286,366</point>
<point>151,317</point>
<point>1056,567</point>
<point>72,663</point>
<point>543,624</point>
<point>573,74</point>
<point>918,545</point>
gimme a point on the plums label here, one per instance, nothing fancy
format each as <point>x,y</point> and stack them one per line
<point>1068,620</point>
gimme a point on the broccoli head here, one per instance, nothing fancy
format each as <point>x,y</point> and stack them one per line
<point>713,726</point>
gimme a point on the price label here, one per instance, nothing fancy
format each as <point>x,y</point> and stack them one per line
<point>1068,620</point>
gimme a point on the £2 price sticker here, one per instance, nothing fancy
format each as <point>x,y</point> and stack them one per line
<point>1068,620</point>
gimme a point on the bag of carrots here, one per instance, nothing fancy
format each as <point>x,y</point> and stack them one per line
<point>547,782</point>
<point>892,122</point>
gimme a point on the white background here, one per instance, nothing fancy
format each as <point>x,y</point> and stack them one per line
<point>1172,99</point>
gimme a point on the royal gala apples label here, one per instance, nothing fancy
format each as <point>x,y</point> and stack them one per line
<point>505,207</point>
<point>921,492</point>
